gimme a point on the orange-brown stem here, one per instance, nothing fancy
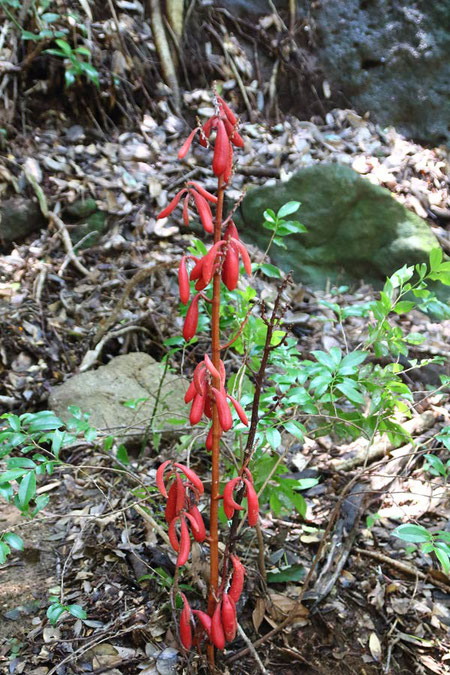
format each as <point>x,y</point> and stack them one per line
<point>215,476</point>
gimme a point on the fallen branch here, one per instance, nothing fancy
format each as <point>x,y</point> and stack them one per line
<point>67,242</point>
<point>404,568</point>
<point>368,452</point>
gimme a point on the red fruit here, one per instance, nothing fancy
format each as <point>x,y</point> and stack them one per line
<point>209,260</point>
<point>217,634</point>
<point>200,524</point>
<point>206,130</point>
<point>191,320</point>
<point>203,211</point>
<point>205,620</point>
<point>160,477</point>
<point>190,394</point>
<point>185,624</point>
<point>196,271</point>
<point>237,582</point>
<point>208,407</point>
<point>185,544</point>
<point>229,166</point>
<point>181,496</point>
<point>173,538</point>
<point>186,210</point>
<point>171,505</point>
<point>227,110</point>
<point>191,476</point>
<point>230,268</point>
<point>207,195</point>
<point>239,409</point>
<point>172,205</point>
<point>244,255</point>
<point>223,410</point>
<point>209,440</point>
<point>183,281</point>
<point>183,151</point>
<point>229,505</point>
<point>229,622</point>
<point>198,530</point>
<point>221,150</point>
<point>231,231</point>
<point>199,378</point>
<point>252,503</point>
<point>211,367</point>
<point>197,409</point>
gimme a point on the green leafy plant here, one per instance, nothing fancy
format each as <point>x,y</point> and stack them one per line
<point>430,542</point>
<point>56,610</point>
<point>75,65</point>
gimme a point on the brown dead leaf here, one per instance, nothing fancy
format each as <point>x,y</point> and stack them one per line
<point>282,605</point>
<point>258,613</point>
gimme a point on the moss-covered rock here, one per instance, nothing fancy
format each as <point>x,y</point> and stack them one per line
<point>86,220</point>
<point>356,230</point>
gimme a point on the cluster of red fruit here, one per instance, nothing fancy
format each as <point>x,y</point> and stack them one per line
<point>181,508</point>
<point>207,392</point>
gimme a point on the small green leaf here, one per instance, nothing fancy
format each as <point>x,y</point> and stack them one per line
<point>64,46</point>
<point>350,362</point>
<point>273,437</point>
<point>295,428</point>
<point>435,258</point>
<point>270,216</point>
<point>122,454</point>
<point>108,443</point>
<point>271,271</point>
<point>27,489</point>
<point>54,612</point>
<point>435,463</point>
<point>4,552</point>
<point>415,534</point>
<point>77,611</point>
<point>325,359</point>
<point>404,306</point>
<point>443,558</point>
<point>292,573</point>
<point>287,209</point>
<point>13,540</point>
<point>347,387</point>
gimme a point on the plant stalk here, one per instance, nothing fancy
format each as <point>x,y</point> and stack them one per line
<point>215,476</point>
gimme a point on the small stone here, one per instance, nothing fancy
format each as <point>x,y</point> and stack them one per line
<point>75,134</point>
<point>167,661</point>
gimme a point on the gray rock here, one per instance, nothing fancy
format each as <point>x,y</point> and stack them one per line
<point>167,662</point>
<point>18,218</point>
<point>356,230</point>
<point>102,393</point>
<point>390,58</point>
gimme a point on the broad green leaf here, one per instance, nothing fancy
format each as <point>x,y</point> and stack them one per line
<point>288,208</point>
<point>414,534</point>
<point>273,437</point>
<point>443,558</point>
<point>45,420</point>
<point>292,573</point>
<point>306,483</point>
<point>350,362</point>
<point>54,612</point>
<point>325,359</point>
<point>21,463</point>
<point>77,611</point>
<point>14,540</point>
<point>27,489</point>
<point>64,46</point>
<point>435,258</point>
<point>49,17</point>
<point>415,338</point>
<point>349,390</point>
<point>14,422</point>
<point>14,474</point>
<point>122,454</point>
<point>271,271</point>
<point>4,552</point>
<point>404,306</point>
<point>296,429</point>
<point>436,464</point>
<point>270,216</point>
<point>41,502</point>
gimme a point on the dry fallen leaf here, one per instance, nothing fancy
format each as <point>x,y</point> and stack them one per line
<point>375,646</point>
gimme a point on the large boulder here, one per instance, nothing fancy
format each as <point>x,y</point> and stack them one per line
<point>103,392</point>
<point>390,58</point>
<point>356,230</point>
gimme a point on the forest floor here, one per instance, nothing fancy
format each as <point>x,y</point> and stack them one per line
<point>375,607</point>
